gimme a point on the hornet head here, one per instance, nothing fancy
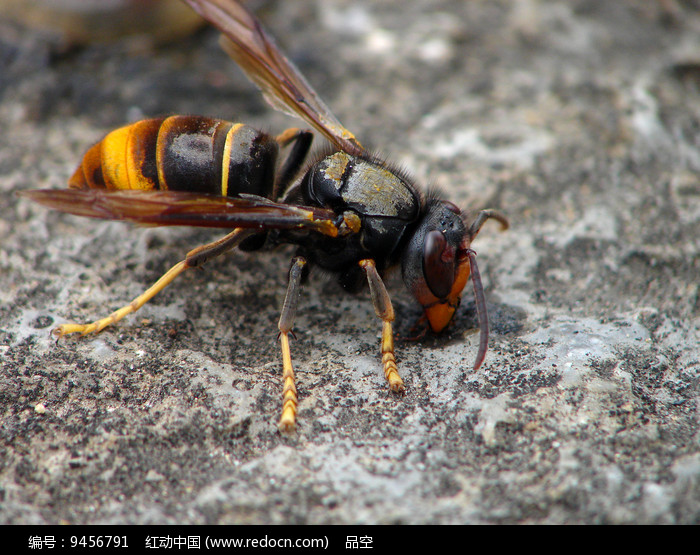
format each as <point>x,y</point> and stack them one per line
<point>438,261</point>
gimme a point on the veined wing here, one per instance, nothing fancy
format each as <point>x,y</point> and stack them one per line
<point>163,208</point>
<point>282,84</point>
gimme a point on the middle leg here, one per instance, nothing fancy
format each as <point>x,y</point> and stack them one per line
<point>287,422</point>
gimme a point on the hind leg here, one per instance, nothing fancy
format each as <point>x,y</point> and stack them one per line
<point>194,258</point>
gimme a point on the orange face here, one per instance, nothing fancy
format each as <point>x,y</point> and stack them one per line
<point>440,312</point>
<point>436,264</point>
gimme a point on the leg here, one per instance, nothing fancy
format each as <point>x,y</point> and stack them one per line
<point>289,169</point>
<point>287,422</point>
<point>196,257</point>
<point>383,309</point>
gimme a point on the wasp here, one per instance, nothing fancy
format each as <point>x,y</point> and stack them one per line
<point>348,213</point>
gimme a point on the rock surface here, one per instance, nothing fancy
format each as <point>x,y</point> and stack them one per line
<point>580,120</point>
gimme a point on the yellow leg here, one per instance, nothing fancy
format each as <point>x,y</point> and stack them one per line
<point>133,306</point>
<point>385,311</point>
<point>289,391</point>
<point>391,371</point>
<point>196,257</point>
<point>287,422</point>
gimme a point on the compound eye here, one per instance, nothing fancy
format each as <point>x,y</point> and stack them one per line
<point>438,264</point>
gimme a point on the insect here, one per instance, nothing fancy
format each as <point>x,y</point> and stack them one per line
<point>349,213</point>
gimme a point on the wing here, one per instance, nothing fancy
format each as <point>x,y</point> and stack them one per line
<point>283,86</point>
<point>163,208</point>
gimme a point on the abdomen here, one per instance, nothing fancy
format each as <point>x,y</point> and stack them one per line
<point>182,153</point>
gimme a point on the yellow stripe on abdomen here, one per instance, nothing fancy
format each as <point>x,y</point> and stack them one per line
<point>114,159</point>
<point>226,158</point>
